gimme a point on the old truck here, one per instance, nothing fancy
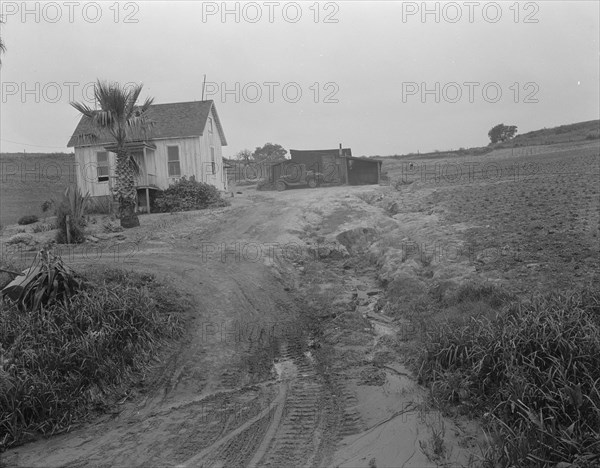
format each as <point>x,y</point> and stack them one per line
<point>296,175</point>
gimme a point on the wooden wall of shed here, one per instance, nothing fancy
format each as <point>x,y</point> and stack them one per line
<point>363,172</point>
<point>330,166</point>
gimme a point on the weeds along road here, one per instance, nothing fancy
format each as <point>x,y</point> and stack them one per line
<point>217,399</point>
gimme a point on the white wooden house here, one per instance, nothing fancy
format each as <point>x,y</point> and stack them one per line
<point>185,140</point>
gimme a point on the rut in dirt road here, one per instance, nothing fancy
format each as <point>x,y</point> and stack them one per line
<point>291,431</point>
<point>298,436</point>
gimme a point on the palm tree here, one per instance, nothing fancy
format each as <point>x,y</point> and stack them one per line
<point>125,121</point>
<point>2,44</point>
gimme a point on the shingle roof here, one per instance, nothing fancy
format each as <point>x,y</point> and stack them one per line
<point>173,120</point>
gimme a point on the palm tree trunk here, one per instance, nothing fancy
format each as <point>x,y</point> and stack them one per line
<point>125,190</point>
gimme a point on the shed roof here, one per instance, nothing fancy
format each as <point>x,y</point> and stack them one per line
<point>328,152</point>
<point>172,120</point>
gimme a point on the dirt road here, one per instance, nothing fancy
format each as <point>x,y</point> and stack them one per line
<point>276,368</point>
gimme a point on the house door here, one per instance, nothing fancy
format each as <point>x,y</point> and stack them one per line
<point>150,161</point>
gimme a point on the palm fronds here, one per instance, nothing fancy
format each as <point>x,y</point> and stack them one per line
<point>118,112</point>
<point>2,44</point>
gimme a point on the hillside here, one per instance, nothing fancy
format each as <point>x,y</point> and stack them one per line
<point>27,180</point>
<point>581,131</point>
<point>571,133</point>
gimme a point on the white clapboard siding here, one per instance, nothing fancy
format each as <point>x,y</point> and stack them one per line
<point>194,160</point>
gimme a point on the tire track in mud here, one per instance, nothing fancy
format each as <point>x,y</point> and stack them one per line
<point>291,430</point>
<point>237,446</point>
<point>297,438</point>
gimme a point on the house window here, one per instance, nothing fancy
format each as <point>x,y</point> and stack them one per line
<point>213,164</point>
<point>210,125</point>
<point>173,161</point>
<point>102,167</point>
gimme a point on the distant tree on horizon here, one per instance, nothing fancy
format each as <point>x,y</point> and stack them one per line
<point>502,132</point>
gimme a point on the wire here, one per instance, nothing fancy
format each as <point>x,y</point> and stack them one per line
<point>28,144</point>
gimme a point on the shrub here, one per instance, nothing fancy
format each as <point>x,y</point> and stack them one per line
<point>44,227</point>
<point>46,205</point>
<point>73,204</point>
<point>28,219</point>
<point>57,364</point>
<point>533,370</point>
<point>47,280</point>
<point>19,238</point>
<point>186,195</point>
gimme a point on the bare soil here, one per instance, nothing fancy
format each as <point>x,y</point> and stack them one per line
<point>292,357</point>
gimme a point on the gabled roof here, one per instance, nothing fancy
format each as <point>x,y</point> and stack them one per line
<point>173,120</point>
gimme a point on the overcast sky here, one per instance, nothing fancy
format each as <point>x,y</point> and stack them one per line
<point>360,68</point>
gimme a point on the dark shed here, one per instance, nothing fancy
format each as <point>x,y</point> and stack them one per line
<point>338,166</point>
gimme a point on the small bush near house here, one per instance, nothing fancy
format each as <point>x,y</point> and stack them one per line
<point>62,362</point>
<point>188,194</point>
<point>73,204</point>
<point>46,205</point>
<point>532,371</point>
<point>28,219</point>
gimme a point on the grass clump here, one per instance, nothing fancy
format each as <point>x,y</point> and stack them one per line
<point>99,205</point>
<point>44,227</point>
<point>61,362</point>
<point>533,371</point>
<point>27,219</point>
<point>188,194</point>
<point>19,238</point>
